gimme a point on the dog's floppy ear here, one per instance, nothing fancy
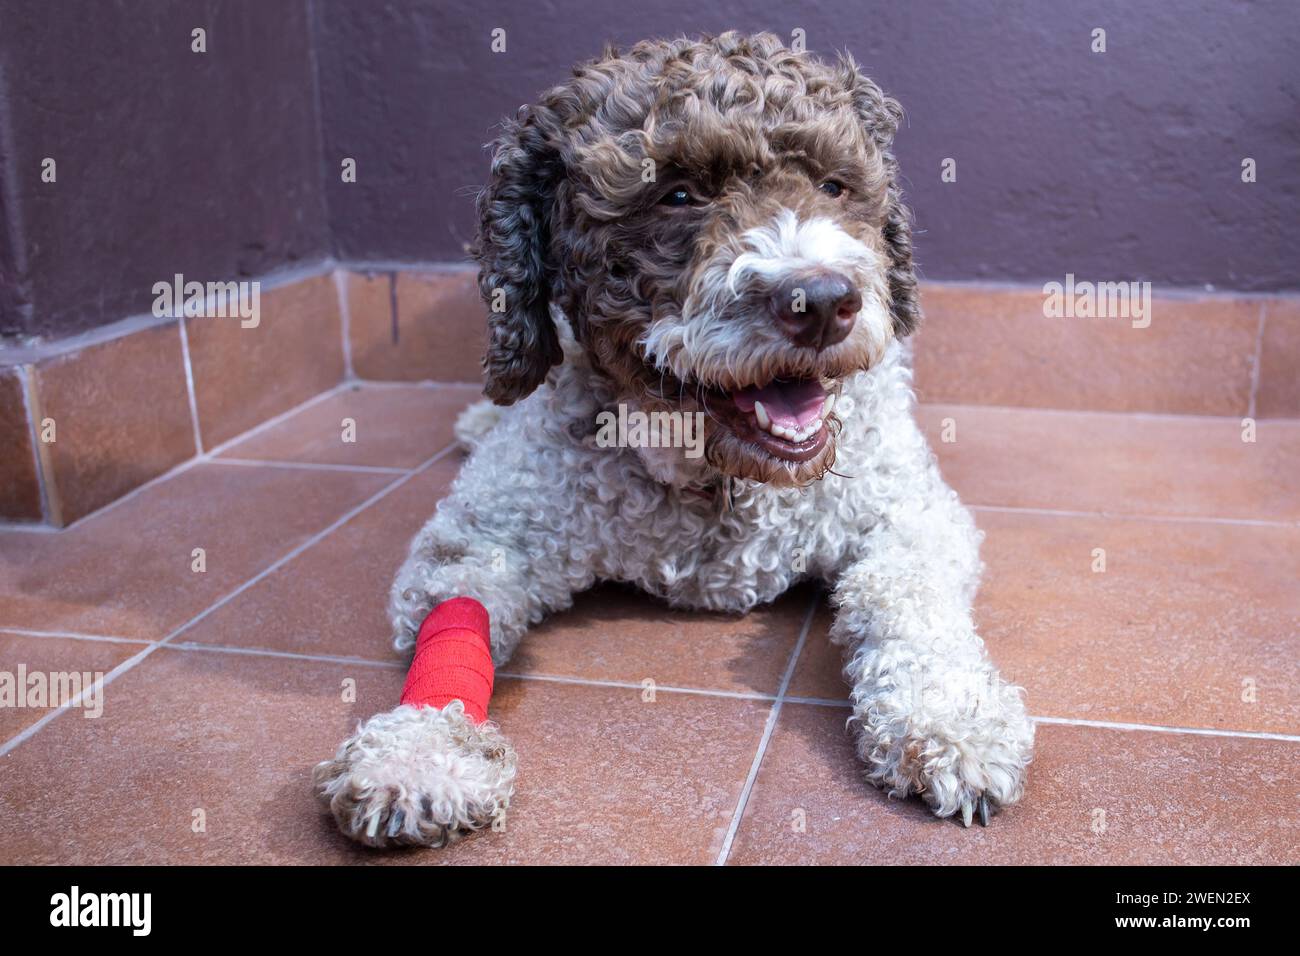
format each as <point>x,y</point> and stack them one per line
<point>515,273</point>
<point>881,115</point>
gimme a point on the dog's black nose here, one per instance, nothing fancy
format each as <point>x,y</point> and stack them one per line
<point>816,309</point>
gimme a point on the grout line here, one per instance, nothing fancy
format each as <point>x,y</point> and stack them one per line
<point>1159,729</point>
<point>75,635</point>
<point>28,732</point>
<point>30,527</point>
<point>292,655</point>
<point>49,499</point>
<point>506,675</point>
<point>189,386</point>
<point>453,267</point>
<point>631,685</point>
<point>1159,290</point>
<point>768,729</point>
<point>819,701</point>
<point>341,280</point>
<point>1257,360</point>
<point>222,602</point>
<point>277,419</point>
<point>1100,724</point>
<point>1145,416</point>
<point>310,465</point>
<point>422,383</point>
<point>1119,516</point>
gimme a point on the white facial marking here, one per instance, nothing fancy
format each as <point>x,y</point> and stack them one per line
<point>710,341</point>
<point>788,245</point>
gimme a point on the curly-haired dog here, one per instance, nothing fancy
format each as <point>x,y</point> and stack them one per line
<point>710,226</point>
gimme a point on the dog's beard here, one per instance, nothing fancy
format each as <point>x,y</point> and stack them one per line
<point>735,457</point>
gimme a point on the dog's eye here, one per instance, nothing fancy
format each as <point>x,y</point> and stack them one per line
<point>677,197</point>
<point>831,188</point>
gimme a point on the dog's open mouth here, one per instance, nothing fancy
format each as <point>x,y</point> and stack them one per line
<point>786,417</point>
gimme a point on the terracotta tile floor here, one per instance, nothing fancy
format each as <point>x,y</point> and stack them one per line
<point>1167,685</point>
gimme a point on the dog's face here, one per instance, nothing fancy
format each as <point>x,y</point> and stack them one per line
<point>721,225</point>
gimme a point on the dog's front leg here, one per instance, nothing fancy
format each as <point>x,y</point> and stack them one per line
<point>422,775</point>
<point>932,715</point>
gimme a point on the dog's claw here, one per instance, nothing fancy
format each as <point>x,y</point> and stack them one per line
<point>395,823</point>
<point>969,807</point>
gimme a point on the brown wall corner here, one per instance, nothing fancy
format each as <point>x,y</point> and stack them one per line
<point>20,488</point>
<point>415,326</point>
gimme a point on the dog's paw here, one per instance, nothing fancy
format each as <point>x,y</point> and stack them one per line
<point>962,753</point>
<point>418,776</point>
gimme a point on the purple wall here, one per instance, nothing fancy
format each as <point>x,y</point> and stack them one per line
<point>168,161</point>
<point>1117,165</point>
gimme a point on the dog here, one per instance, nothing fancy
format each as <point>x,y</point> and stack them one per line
<point>710,227</point>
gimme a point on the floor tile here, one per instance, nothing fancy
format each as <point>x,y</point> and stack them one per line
<point>47,658</point>
<point>243,376</point>
<point>333,598</point>
<point>605,777</point>
<point>121,416</point>
<point>1185,621</point>
<point>1190,625</point>
<point>1117,464</point>
<point>127,572</point>
<point>616,633</point>
<point>1094,796</point>
<point>396,427</point>
<point>995,347</point>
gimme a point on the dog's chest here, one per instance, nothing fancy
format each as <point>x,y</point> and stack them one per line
<point>694,551</point>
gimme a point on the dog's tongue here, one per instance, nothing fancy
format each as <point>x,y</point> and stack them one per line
<point>789,404</point>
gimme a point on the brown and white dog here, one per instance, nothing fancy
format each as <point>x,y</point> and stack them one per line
<point>709,230</point>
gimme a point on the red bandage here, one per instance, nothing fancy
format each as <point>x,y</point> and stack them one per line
<point>453,660</point>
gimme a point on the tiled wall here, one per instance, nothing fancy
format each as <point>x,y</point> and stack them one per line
<point>144,397</point>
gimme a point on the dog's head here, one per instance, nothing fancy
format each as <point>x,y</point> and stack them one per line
<point>721,223</point>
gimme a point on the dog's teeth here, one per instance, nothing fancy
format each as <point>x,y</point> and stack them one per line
<point>764,422</point>
<point>780,431</point>
<point>828,406</point>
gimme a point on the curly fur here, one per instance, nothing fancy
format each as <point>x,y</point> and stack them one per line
<point>418,776</point>
<point>475,422</point>
<point>607,297</point>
